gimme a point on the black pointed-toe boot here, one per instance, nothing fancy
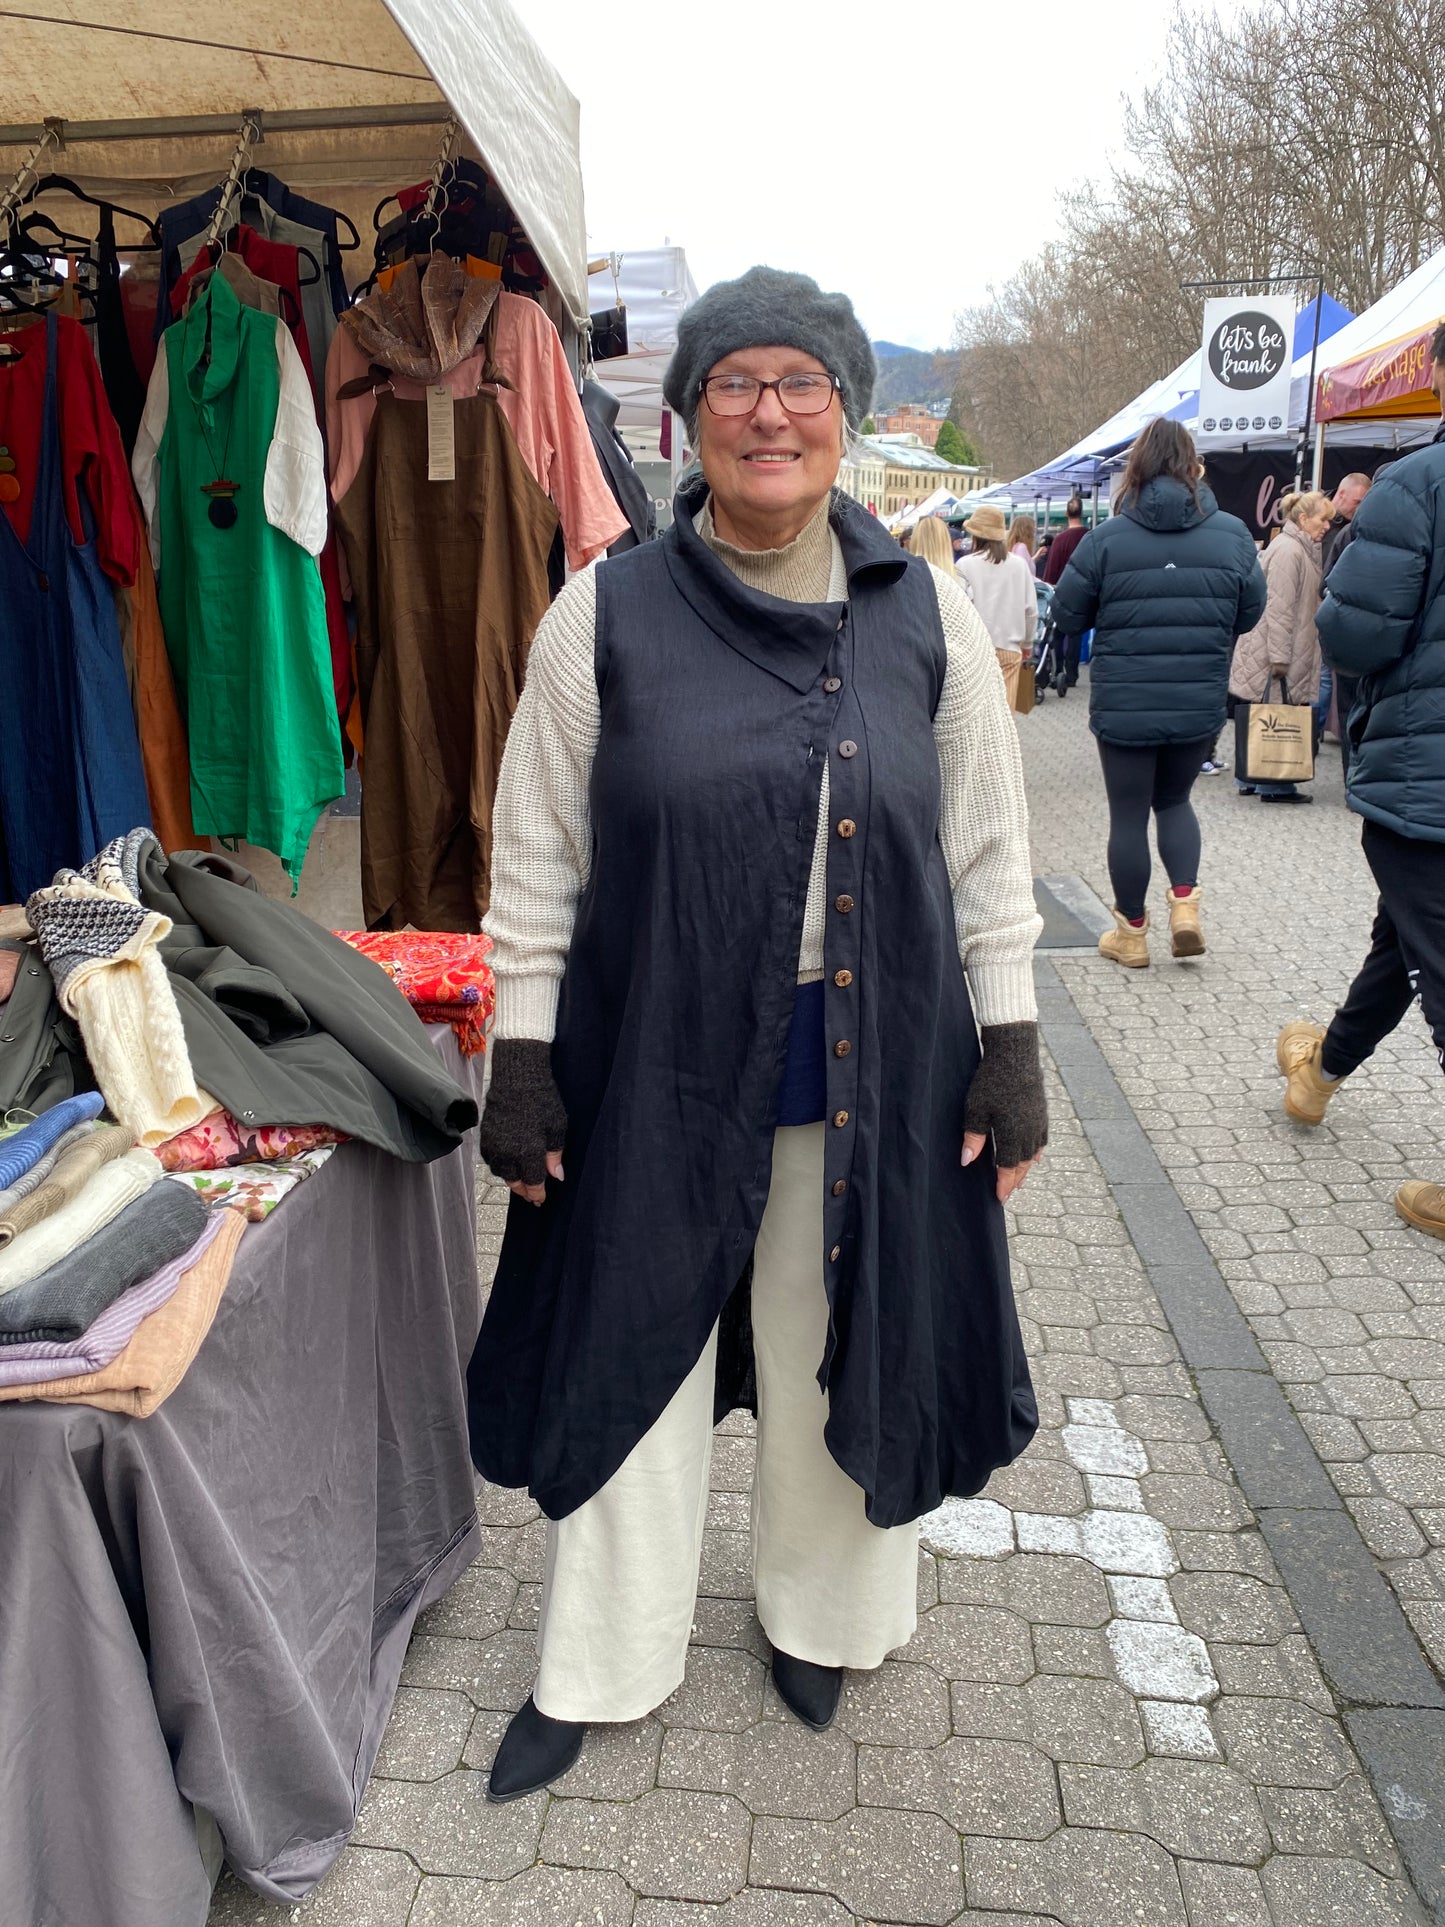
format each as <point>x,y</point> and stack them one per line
<point>809,1691</point>
<point>535,1750</point>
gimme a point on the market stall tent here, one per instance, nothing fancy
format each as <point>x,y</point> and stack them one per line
<point>1379,364</point>
<point>654,285</point>
<point>354,96</point>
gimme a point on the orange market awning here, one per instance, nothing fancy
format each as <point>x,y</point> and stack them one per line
<point>1384,384</point>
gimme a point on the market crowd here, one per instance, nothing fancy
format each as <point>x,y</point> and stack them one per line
<point>1336,619</point>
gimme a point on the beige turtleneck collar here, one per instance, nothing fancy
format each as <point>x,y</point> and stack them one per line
<point>801,571</point>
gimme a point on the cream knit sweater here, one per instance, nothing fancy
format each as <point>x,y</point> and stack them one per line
<point>542,836</point>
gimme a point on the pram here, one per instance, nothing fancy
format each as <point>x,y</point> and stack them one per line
<point>1050,670</point>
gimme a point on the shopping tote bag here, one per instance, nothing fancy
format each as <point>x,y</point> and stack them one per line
<point>1274,742</point>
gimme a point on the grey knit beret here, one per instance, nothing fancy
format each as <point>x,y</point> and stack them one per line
<point>767,308</point>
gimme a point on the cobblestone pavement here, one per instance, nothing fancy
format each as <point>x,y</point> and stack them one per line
<point>1110,1716</point>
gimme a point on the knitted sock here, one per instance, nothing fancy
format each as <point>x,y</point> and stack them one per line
<point>1183,889</point>
<point>1135,923</point>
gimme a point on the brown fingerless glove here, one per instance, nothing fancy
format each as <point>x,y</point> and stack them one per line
<point>524,1118</point>
<point>1006,1098</point>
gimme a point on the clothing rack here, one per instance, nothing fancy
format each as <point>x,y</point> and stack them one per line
<point>300,120</point>
<point>27,177</point>
<point>250,134</point>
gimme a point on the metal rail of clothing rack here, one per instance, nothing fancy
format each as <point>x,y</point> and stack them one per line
<point>298,120</point>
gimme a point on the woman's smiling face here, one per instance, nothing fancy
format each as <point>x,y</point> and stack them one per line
<point>769,471</point>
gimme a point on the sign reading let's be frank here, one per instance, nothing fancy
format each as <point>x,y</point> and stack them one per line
<point>1245,369</point>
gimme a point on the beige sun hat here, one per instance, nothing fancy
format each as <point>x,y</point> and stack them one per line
<point>987,524</point>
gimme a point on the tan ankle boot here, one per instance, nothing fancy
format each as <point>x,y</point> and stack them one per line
<point>1422,1205</point>
<point>1307,1090</point>
<point>1126,944</point>
<point>1186,939</point>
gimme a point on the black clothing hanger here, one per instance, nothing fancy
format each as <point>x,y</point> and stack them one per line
<point>62,183</point>
<point>66,243</point>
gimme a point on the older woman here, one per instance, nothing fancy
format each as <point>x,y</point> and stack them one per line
<point>761,867</point>
<point>1284,649</point>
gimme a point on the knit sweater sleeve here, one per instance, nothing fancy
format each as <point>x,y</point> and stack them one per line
<point>983,823</point>
<point>541,826</point>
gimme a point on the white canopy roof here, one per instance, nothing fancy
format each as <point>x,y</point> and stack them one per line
<point>369,82</point>
<point>655,285</point>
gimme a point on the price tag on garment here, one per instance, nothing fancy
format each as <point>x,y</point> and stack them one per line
<point>441,434</point>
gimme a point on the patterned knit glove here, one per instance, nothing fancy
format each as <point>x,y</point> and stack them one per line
<point>524,1118</point>
<point>1006,1097</point>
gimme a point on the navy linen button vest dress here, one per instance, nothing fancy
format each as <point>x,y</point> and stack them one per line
<point>718,707</point>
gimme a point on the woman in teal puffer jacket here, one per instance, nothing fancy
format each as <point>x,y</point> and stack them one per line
<point>1166,584</point>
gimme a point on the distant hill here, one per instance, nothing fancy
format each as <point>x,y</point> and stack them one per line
<point>911,374</point>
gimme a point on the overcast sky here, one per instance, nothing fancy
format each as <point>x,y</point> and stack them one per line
<point>888,150</point>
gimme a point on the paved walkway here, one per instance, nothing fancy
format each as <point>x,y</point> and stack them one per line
<point>1114,1713</point>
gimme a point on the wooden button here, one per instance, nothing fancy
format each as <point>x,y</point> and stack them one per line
<point>842,905</point>
<point>840,1118</point>
<point>840,1187</point>
<point>842,1047</point>
<point>832,685</point>
<point>847,827</point>
<point>842,978</point>
<point>836,1253</point>
<point>847,749</point>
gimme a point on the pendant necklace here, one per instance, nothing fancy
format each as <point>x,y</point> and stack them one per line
<point>222,492</point>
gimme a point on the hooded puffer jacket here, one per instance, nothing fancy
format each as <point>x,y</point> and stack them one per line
<point>1166,586</point>
<point>1383,619</point>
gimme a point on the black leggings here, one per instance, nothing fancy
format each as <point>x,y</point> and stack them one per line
<point>1138,780</point>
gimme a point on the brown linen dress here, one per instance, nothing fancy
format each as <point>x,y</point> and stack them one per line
<point>450,582</point>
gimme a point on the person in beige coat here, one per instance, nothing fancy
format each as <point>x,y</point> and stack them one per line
<point>1001,588</point>
<point>1283,647</point>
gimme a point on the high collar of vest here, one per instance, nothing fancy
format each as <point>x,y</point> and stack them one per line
<point>790,640</point>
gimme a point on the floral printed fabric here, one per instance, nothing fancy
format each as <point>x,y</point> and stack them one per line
<point>254,1190</point>
<point>445,978</point>
<point>219,1142</point>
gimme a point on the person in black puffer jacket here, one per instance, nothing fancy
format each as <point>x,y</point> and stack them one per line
<point>1166,584</point>
<point>1383,620</point>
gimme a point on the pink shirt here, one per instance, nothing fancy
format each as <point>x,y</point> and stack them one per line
<point>541,408</point>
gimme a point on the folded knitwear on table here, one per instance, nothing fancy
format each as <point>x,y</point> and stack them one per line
<point>160,1352</point>
<point>253,1190</point>
<point>283,1024</point>
<point>20,1153</point>
<point>35,1361</point>
<point>112,1188</point>
<point>100,944</point>
<point>65,1299</point>
<point>43,1166</point>
<point>218,1141</point>
<point>69,1177</point>
<point>444,977</point>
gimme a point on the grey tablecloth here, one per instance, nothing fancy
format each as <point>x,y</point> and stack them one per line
<point>204,1613</point>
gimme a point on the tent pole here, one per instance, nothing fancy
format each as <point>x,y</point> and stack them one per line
<point>301,120</point>
<point>1304,440</point>
<point>1317,478</point>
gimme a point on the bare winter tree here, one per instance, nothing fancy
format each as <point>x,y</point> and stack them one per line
<point>1273,144</point>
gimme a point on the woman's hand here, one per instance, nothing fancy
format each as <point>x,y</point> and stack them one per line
<point>1010,1176</point>
<point>524,1125</point>
<point>1006,1102</point>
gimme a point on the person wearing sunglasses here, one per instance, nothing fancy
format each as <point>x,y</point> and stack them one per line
<point>765,1063</point>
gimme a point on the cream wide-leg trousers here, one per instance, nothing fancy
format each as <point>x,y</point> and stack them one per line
<point>621,1575</point>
